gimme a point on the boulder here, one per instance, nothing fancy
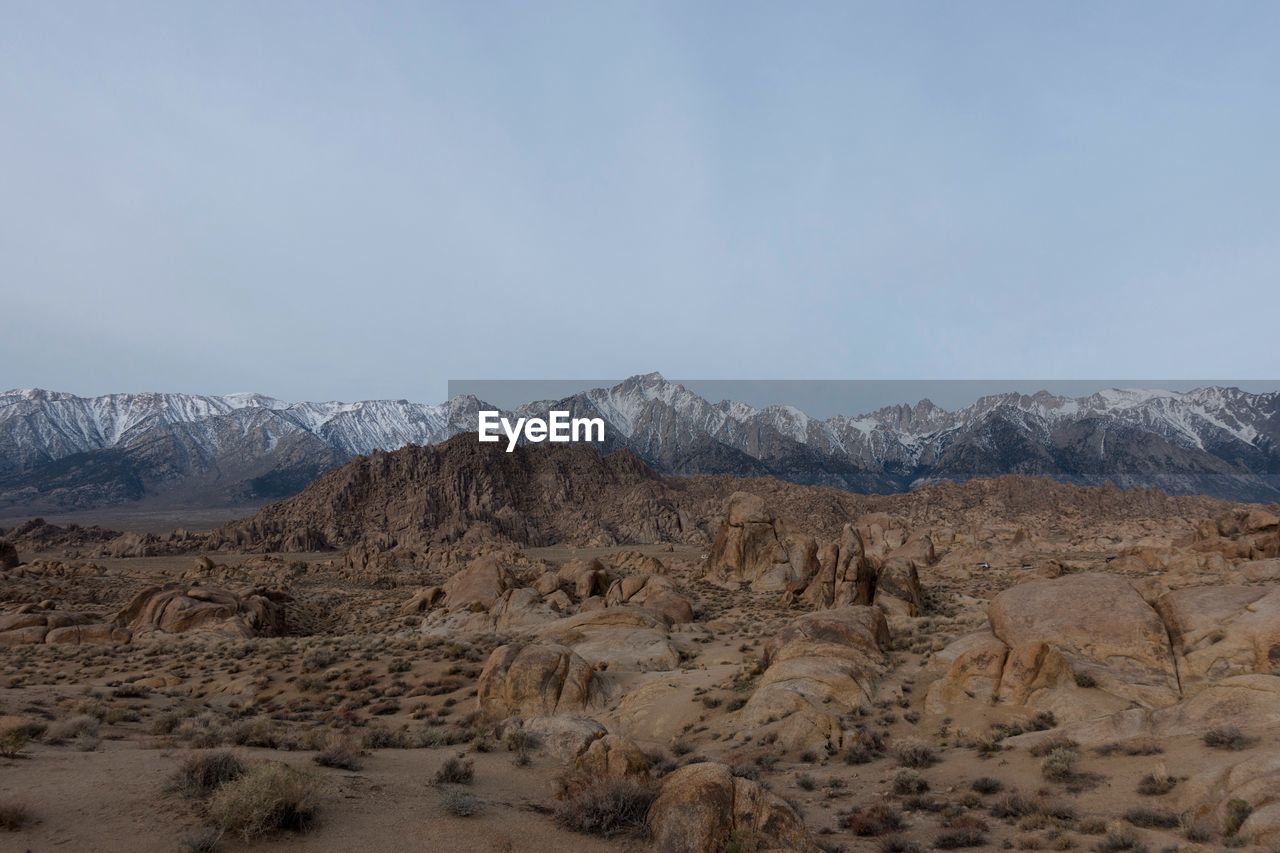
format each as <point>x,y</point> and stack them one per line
<point>477,586</point>
<point>702,807</point>
<point>821,666</point>
<point>423,599</point>
<point>845,576</point>
<point>752,547</point>
<point>1087,628</point>
<point>617,638</point>
<point>612,757</point>
<point>531,680</point>
<point>1220,631</point>
<point>1255,780</point>
<point>178,608</point>
<point>564,737</point>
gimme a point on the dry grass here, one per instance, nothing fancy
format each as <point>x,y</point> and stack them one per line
<point>14,816</point>
<point>268,798</point>
<point>202,773</point>
<point>607,807</point>
<point>456,771</point>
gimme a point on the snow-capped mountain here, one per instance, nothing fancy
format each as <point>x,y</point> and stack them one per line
<point>62,451</point>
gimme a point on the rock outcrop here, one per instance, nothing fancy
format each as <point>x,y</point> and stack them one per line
<point>179,608</point>
<point>32,625</point>
<point>820,667</point>
<point>754,548</point>
<point>532,680</point>
<point>702,807</point>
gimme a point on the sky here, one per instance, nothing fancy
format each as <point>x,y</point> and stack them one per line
<point>365,200</point>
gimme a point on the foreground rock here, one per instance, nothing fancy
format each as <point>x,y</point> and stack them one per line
<point>703,807</point>
<point>179,608</point>
<point>535,680</point>
<point>820,667</point>
<point>1079,646</point>
<point>1213,799</point>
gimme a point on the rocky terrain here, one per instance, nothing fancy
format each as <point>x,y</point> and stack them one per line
<point>460,648</point>
<point>60,452</point>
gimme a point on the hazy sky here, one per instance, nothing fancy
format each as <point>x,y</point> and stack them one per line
<point>360,200</point>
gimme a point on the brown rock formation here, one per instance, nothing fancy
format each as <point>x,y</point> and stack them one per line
<point>703,806</point>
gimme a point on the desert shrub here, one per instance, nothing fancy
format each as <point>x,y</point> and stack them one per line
<point>956,839</point>
<point>1237,812</point>
<point>1228,737</point>
<point>607,807</point>
<point>14,816</point>
<point>80,725</point>
<point>381,737</point>
<point>909,782</point>
<point>987,785</point>
<point>268,798</point>
<point>259,731</point>
<point>1153,785</point>
<point>915,753</point>
<point>12,740</point>
<point>866,747</point>
<point>1120,840</point>
<point>1013,805</point>
<point>1042,721</point>
<point>339,754</point>
<point>458,803</point>
<point>202,773</point>
<point>1084,679</point>
<point>876,819</point>
<point>1152,818</point>
<point>806,782</point>
<point>1059,765</point>
<point>456,771</point>
<point>900,845</point>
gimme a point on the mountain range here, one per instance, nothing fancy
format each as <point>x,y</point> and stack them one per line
<point>60,452</point>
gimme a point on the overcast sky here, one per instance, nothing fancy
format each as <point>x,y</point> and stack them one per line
<point>339,201</point>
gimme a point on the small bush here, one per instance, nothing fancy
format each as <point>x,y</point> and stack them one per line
<point>81,725</point>
<point>1042,721</point>
<point>960,838</point>
<point>339,754</point>
<point>1153,785</point>
<point>1152,818</point>
<point>456,771</point>
<point>12,740</point>
<point>867,747</point>
<point>1013,805</point>
<point>987,785</point>
<point>876,819</point>
<point>1237,812</point>
<point>1120,840</point>
<point>14,816</point>
<point>908,783</point>
<point>607,807</point>
<point>1059,765</point>
<point>268,798</point>
<point>458,803</point>
<point>1228,737</point>
<point>914,753</point>
<point>202,773</point>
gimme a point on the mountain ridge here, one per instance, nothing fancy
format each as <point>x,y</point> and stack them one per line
<point>63,451</point>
